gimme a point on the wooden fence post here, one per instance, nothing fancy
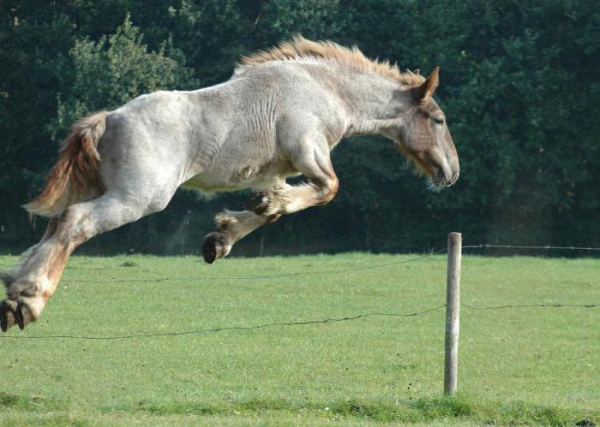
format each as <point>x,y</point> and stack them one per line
<point>452,313</point>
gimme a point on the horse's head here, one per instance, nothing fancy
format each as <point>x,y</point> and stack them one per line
<point>424,136</point>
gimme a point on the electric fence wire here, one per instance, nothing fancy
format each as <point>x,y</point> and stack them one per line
<point>529,247</point>
<point>260,277</point>
<point>309,322</point>
<point>225,328</point>
<point>284,324</point>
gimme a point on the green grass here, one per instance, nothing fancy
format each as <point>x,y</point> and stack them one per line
<point>517,365</point>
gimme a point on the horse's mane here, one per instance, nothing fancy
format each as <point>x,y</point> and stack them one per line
<point>300,48</point>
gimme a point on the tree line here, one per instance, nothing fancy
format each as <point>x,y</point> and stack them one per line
<point>520,84</point>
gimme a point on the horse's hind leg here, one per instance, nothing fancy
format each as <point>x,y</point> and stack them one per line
<point>25,256</point>
<point>30,287</point>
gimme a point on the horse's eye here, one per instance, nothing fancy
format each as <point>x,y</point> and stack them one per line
<point>438,121</point>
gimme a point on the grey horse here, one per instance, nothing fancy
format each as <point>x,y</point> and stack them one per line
<point>279,115</point>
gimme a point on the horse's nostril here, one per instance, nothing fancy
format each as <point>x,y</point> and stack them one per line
<point>439,178</point>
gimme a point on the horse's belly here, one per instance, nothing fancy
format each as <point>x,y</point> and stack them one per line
<point>240,179</point>
<point>209,184</point>
<point>203,183</point>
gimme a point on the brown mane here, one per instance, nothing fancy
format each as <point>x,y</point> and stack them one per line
<point>300,48</point>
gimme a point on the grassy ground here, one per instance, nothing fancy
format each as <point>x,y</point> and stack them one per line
<point>517,365</point>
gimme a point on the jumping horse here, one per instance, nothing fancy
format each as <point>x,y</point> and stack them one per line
<point>278,116</point>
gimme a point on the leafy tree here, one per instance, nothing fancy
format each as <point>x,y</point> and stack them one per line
<point>114,70</point>
<point>519,86</point>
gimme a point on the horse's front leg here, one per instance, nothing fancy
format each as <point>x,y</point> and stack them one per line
<point>293,198</point>
<point>269,205</point>
<point>231,227</point>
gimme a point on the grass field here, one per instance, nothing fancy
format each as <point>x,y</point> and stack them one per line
<point>521,365</point>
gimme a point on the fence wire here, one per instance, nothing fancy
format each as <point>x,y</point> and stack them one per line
<point>547,247</point>
<point>549,305</point>
<point>229,328</point>
<point>261,277</point>
<point>284,324</point>
<point>309,322</point>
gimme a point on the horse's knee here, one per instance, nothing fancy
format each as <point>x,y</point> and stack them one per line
<point>328,190</point>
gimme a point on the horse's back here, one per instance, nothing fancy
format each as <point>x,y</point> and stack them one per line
<point>232,135</point>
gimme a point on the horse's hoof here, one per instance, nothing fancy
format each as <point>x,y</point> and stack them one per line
<point>24,315</point>
<point>209,251</point>
<point>13,312</point>
<point>214,247</point>
<point>8,314</point>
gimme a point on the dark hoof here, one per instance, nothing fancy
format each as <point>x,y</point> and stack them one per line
<point>24,315</point>
<point>214,247</point>
<point>13,312</point>
<point>8,318</point>
<point>209,250</point>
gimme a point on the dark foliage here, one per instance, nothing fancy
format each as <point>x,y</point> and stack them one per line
<point>520,85</point>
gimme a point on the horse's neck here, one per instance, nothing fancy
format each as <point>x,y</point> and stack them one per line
<point>374,102</point>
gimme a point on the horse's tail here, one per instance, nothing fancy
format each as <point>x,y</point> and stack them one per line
<point>76,174</point>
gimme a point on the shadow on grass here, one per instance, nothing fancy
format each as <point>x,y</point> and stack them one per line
<point>424,410</point>
<point>27,403</point>
<point>461,408</point>
<point>36,410</point>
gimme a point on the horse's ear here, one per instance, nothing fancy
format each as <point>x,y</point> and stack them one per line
<point>426,90</point>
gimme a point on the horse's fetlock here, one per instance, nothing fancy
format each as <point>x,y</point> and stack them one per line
<point>25,288</point>
<point>276,202</point>
<point>224,221</point>
<point>258,203</point>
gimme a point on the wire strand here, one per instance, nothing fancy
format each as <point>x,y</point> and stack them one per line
<point>547,247</point>
<point>268,276</point>
<point>284,324</point>
<point>555,305</point>
<point>310,322</point>
<point>222,329</point>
